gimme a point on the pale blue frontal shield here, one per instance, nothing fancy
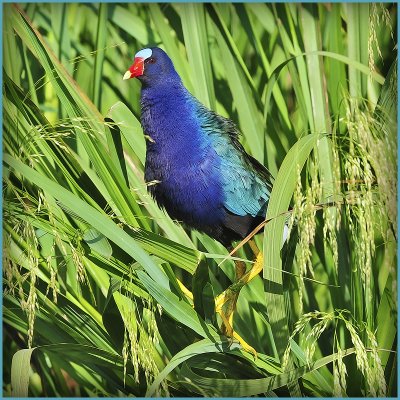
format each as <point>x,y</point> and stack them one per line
<point>144,53</point>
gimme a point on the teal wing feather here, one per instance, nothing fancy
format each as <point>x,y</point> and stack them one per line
<point>246,183</point>
<point>246,190</point>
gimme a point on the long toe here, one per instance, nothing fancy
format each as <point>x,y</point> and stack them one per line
<point>245,345</point>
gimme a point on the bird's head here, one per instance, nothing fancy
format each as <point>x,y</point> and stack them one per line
<point>151,65</point>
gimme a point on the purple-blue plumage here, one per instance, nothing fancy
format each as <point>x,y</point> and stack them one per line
<point>195,166</point>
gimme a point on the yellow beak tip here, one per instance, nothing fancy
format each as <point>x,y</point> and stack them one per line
<point>127,75</point>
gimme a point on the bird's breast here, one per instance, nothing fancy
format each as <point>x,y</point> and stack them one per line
<point>186,184</point>
<point>181,162</point>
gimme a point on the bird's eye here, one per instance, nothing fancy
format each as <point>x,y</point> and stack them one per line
<point>151,60</point>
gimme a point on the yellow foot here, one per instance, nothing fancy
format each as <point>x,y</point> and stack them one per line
<point>245,345</point>
<point>225,303</point>
<point>228,299</point>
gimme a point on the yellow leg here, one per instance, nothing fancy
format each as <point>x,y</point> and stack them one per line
<point>225,303</point>
<point>227,328</point>
<point>255,270</point>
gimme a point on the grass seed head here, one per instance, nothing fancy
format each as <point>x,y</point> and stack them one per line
<point>339,375</point>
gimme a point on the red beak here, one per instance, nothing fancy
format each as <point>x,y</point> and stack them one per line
<point>136,69</point>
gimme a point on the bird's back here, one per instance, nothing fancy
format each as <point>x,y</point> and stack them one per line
<point>246,183</point>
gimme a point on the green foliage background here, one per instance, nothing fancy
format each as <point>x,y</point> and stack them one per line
<point>92,303</point>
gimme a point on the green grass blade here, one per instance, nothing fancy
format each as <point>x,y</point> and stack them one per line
<point>282,192</point>
<point>250,28</point>
<point>292,47</point>
<point>308,16</point>
<point>20,371</point>
<point>132,24</point>
<point>196,43</point>
<point>130,128</point>
<point>201,347</point>
<point>11,64</point>
<point>337,83</point>
<point>352,13</point>
<point>250,118</point>
<point>171,45</point>
<point>252,387</point>
<point>100,53</point>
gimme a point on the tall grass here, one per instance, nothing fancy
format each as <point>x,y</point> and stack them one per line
<point>91,265</point>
